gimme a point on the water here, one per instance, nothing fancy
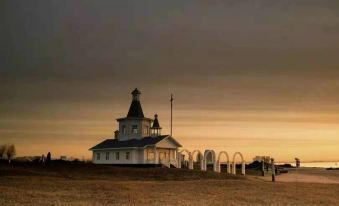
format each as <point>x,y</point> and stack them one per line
<point>316,164</point>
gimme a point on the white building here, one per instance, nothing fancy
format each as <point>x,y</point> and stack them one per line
<point>138,141</point>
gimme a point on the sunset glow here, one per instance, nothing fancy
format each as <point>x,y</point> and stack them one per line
<point>261,79</point>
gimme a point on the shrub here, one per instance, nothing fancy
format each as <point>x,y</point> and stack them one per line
<point>3,150</point>
<point>11,152</point>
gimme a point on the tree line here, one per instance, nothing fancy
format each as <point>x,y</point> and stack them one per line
<point>7,151</point>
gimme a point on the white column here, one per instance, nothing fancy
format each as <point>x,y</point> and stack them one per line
<point>202,164</point>
<point>190,164</point>
<point>145,155</point>
<point>156,158</point>
<point>178,158</point>
<point>216,166</point>
<point>234,168</point>
<point>228,170</point>
<point>243,168</point>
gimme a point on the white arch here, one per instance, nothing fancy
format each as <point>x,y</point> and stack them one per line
<point>201,158</point>
<point>228,162</point>
<point>242,163</point>
<point>190,158</point>
<point>187,152</point>
<point>213,159</point>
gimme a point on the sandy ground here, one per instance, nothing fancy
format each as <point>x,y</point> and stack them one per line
<point>308,175</point>
<point>100,185</point>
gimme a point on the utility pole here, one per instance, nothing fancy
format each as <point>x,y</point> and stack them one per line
<point>171,100</point>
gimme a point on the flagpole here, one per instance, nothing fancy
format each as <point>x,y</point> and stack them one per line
<point>171,100</point>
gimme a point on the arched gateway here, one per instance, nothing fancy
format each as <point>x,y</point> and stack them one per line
<point>215,160</point>
<point>200,158</point>
<point>234,169</point>
<point>181,158</point>
<point>228,161</point>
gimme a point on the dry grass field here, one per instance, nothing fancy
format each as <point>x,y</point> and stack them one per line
<point>86,184</point>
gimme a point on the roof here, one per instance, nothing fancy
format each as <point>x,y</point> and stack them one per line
<point>146,141</point>
<point>135,110</point>
<point>135,92</point>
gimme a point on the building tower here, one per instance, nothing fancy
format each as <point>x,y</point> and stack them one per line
<point>135,125</point>
<point>156,129</point>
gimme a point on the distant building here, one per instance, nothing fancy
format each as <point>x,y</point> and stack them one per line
<point>266,159</point>
<point>138,141</point>
<point>64,158</point>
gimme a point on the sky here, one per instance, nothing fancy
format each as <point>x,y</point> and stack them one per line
<point>259,77</point>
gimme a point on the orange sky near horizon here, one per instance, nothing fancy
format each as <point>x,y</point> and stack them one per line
<point>260,77</point>
<point>283,135</point>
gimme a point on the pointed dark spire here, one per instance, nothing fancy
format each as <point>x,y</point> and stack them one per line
<point>155,129</point>
<point>156,124</point>
<point>135,110</point>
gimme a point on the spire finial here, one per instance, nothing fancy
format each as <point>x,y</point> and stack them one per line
<point>171,100</point>
<point>135,109</point>
<point>135,94</point>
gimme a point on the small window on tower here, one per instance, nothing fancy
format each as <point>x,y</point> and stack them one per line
<point>127,155</point>
<point>146,130</point>
<point>123,128</point>
<point>134,129</point>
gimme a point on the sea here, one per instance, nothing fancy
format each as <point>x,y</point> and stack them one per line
<point>316,164</point>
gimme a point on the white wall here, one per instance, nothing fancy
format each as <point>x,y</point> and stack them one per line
<point>133,156</point>
<point>141,123</point>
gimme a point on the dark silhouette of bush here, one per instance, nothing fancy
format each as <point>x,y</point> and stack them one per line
<point>3,150</point>
<point>11,152</point>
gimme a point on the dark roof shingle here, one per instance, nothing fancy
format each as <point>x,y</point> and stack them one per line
<point>135,110</point>
<point>114,143</point>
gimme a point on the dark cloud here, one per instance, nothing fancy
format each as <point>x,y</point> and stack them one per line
<point>57,56</point>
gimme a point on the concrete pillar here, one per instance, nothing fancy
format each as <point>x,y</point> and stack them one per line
<point>190,164</point>
<point>243,168</point>
<point>234,168</point>
<point>178,163</point>
<point>228,169</point>
<point>203,164</point>
<point>216,166</point>
<point>263,167</point>
<point>273,170</point>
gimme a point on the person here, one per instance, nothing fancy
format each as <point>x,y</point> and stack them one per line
<point>48,160</point>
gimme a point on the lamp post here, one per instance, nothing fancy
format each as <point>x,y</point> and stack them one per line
<point>273,170</point>
<point>263,166</point>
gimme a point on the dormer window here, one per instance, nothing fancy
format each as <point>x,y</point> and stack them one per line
<point>134,129</point>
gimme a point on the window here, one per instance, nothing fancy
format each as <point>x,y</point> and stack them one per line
<point>117,155</point>
<point>98,156</point>
<point>162,155</point>
<point>150,154</point>
<point>107,155</point>
<point>127,155</point>
<point>146,130</point>
<point>123,128</point>
<point>134,129</point>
